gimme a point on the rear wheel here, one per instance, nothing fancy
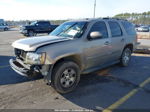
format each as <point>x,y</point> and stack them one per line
<point>65,77</point>
<point>125,57</point>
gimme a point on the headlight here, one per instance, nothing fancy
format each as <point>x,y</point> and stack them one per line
<point>35,58</point>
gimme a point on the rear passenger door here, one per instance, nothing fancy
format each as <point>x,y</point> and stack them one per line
<point>117,40</point>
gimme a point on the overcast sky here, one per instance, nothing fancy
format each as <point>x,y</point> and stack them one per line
<point>67,9</point>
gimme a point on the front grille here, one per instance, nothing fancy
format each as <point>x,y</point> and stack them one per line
<point>20,53</point>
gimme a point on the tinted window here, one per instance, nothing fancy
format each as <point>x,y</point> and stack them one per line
<point>100,27</point>
<point>115,29</point>
<point>43,23</point>
<point>46,23</point>
<point>129,28</point>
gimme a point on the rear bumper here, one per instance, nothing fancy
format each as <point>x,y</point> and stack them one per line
<point>22,70</point>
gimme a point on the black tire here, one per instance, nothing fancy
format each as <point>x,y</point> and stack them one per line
<point>5,29</point>
<point>31,33</point>
<point>25,35</point>
<point>125,57</point>
<point>62,80</point>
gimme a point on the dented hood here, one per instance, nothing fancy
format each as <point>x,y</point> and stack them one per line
<point>31,44</point>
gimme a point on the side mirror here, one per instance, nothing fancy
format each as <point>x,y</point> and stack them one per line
<point>95,35</point>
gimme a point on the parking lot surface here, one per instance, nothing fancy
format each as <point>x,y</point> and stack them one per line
<point>112,88</point>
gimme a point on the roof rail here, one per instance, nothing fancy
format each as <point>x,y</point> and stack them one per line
<point>87,18</point>
<point>106,18</point>
<point>114,18</point>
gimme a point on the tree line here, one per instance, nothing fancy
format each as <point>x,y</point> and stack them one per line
<point>137,18</point>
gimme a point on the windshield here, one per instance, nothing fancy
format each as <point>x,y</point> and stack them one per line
<point>69,29</point>
<point>33,23</point>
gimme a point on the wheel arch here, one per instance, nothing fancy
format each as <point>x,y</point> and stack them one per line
<point>30,30</point>
<point>129,46</point>
<point>75,58</point>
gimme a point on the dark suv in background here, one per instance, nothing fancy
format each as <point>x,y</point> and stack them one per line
<point>37,27</point>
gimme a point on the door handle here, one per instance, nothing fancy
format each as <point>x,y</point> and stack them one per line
<point>107,43</point>
<point>122,40</point>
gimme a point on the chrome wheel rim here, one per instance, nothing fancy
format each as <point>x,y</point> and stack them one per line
<point>68,77</point>
<point>126,56</point>
<point>31,33</point>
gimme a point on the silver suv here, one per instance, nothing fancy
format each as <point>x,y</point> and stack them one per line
<point>74,48</point>
<point>4,27</point>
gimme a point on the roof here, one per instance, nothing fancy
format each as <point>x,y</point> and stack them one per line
<point>94,19</point>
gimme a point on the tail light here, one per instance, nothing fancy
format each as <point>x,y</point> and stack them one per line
<point>136,38</point>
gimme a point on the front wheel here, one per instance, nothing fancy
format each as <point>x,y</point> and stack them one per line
<point>65,77</point>
<point>31,33</point>
<point>125,57</point>
<point>5,29</point>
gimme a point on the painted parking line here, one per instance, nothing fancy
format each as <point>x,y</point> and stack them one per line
<point>4,66</point>
<point>126,97</point>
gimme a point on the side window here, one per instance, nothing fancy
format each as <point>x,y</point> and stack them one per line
<point>129,28</point>
<point>42,23</point>
<point>115,29</point>
<point>39,23</point>
<point>100,27</point>
<point>45,24</point>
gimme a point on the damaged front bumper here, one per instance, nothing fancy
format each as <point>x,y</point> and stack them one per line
<point>24,70</point>
<point>23,31</point>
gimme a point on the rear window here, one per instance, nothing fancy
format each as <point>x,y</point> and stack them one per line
<point>115,29</point>
<point>129,28</point>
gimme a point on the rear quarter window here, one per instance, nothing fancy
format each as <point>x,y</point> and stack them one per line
<point>115,29</point>
<point>129,28</point>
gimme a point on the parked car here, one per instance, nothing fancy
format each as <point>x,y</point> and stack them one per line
<point>37,27</point>
<point>136,27</point>
<point>143,29</point>
<point>2,21</point>
<point>4,27</point>
<point>74,48</point>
